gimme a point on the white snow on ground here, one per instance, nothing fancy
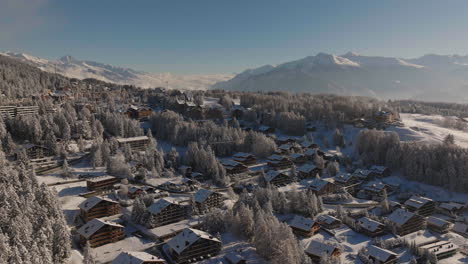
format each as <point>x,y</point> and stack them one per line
<point>106,253</point>
<point>232,243</point>
<point>424,128</point>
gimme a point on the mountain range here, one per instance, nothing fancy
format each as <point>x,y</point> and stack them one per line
<point>430,77</point>
<point>74,68</point>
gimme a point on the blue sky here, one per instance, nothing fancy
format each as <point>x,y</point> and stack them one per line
<point>220,36</point>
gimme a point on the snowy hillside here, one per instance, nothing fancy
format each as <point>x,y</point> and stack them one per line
<point>354,74</point>
<point>74,68</point>
<point>426,128</point>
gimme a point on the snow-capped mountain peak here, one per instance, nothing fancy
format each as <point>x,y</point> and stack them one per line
<point>81,69</point>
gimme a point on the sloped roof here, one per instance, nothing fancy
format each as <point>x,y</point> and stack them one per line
<point>309,152</point>
<point>362,173</point>
<point>242,155</point>
<point>343,177</point>
<point>201,195</point>
<point>272,174</point>
<point>317,184</point>
<point>93,226</point>
<point>136,258</point>
<point>379,169</point>
<point>93,201</point>
<point>318,248</point>
<point>327,219</point>
<point>307,168</point>
<point>437,221</point>
<point>131,139</point>
<point>286,146</point>
<point>400,216</point>
<point>460,227</point>
<point>159,205</point>
<point>380,253</point>
<point>296,155</point>
<point>417,201</point>
<point>369,224</point>
<point>375,186</point>
<point>307,143</point>
<point>450,206</point>
<point>230,163</point>
<point>100,178</point>
<point>234,257</point>
<point>187,237</point>
<point>276,157</point>
<point>301,223</point>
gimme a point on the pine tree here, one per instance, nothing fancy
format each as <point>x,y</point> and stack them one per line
<point>88,257</point>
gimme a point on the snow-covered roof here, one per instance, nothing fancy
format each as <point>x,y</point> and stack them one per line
<point>327,219</point>
<point>450,206</point>
<point>93,226</point>
<point>380,254</point>
<point>378,169</point>
<point>343,177</point>
<point>100,178</point>
<point>187,237</point>
<point>460,227</point>
<point>375,186</point>
<point>306,144</point>
<point>318,248</point>
<point>159,205</point>
<point>131,139</point>
<point>234,257</point>
<point>309,152</point>
<point>317,184</point>
<point>296,155</point>
<point>263,128</point>
<point>136,258</point>
<point>230,163</point>
<point>286,146</point>
<point>242,155</point>
<point>272,174</point>
<point>93,201</point>
<point>201,195</point>
<point>437,221</point>
<point>369,224</point>
<point>276,157</point>
<point>301,223</point>
<point>440,247</point>
<point>400,216</point>
<point>417,201</point>
<point>362,173</point>
<point>307,168</point>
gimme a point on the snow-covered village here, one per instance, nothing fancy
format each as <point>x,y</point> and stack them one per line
<point>313,161</point>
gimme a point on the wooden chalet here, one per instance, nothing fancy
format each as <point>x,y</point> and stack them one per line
<point>381,256</point>
<point>245,158</point>
<point>166,211</point>
<point>99,232</point>
<point>137,258</point>
<point>288,148</point>
<point>277,178</point>
<point>34,152</point>
<point>214,112</point>
<point>138,113</point>
<point>364,174</point>
<point>298,158</point>
<point>134,192</point>
<point>441,249</point>
<point>370,227</point>
<point>345,179</point>
<point>321,186</point>
<point>306,144</point>
<point>380,171</point>
<point>205,200</point>
<point>101,183</point>
<point>97,207</point>
<point>451,208</point>
<point>406,222</point>
<point>266,129</point>
<point>136,143</point>
<point>384,117</point>
<point>310,154</point>
<point>308,171</point>
<point>279,162</point>
<point>328,221</point>
<point>186,171</point>
<point>305,227</point>
<point>192,245</point>
<point>234,167</point>
<point>284,140</point>
<point>8,111</point>
<point>317,249</point>
<point>376,190</point>
<point>420,205</point>
<point>438,225</point>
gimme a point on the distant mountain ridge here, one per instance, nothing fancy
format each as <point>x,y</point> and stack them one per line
<point>430,77</point>
<point>81,69</point>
